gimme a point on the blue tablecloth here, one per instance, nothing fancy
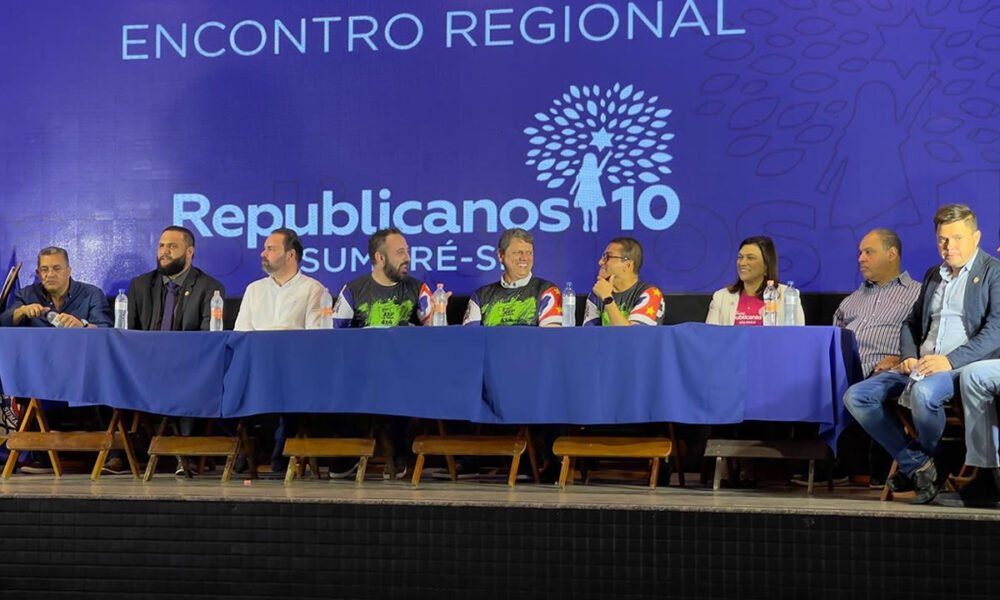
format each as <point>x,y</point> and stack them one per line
<point>171,373</point>
<point>428,372</point>
<point>690,373</point>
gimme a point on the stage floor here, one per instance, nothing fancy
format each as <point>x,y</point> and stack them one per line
<point>775,499</point>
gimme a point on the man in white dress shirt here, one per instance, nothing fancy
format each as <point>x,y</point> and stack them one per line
<point>285,299</point>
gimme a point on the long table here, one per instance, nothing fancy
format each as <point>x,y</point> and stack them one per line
<point>691,373</point>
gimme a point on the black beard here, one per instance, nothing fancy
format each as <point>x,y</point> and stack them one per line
<point>171,268</point>
<point>394,273</point>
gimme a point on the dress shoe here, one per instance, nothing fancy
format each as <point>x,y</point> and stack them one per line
<point>900,482</point>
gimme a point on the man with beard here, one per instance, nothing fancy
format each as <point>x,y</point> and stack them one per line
<point>619,297</point>
<point>176,296</point>
<point>285,299</point>
<point>518,298</point>
<point>74,303</point>
<point>388,296</point>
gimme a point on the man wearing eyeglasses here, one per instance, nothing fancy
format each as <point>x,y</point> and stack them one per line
<point>57,300</point>
<point>619,297</point>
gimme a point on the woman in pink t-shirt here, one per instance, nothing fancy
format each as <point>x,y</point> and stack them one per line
<point>742,303</point>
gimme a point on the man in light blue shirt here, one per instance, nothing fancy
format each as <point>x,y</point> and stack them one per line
<point>955,322</point>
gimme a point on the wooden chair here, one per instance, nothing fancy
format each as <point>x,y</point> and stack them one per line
<point>444,444</point>
<point>8,285</point>
<point>115,437</point>
<point>469,445</point>
<point>228,446</point>
<point>299,448</point>
<point>811,450</point>
<point>571,448</point>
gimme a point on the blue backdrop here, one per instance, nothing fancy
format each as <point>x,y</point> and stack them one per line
<point>686,124</point>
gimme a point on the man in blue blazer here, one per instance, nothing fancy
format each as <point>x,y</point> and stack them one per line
<point>955,322</point>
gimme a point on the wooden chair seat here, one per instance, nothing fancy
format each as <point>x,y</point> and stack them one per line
<point>469,445</point>
<point>299,448</point>
<point>572,447</point>
<point>811,450</point>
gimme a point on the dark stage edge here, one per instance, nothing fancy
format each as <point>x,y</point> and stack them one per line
<point>123,542</point>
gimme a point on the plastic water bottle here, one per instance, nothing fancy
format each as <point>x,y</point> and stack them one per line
<point>53,317</point>
<point>439,316</point>
<point>569,306</point>
<point>215,323</point>
<point>121,310</point>
<point>770,304</point>
<point>791,303</point>
<point>326,310</point>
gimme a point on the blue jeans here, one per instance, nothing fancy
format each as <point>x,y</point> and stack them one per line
<point>980,385</point>
<point>870,402</point>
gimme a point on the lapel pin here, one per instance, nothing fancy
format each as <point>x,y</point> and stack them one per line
<point>975,280</point>
<point>188,292</point>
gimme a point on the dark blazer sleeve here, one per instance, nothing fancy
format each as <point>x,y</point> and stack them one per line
<point>911,334</point>
<point>984,343</point>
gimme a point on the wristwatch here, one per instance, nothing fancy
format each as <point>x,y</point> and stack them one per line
<point>608,300</point>
<point>85,322</point>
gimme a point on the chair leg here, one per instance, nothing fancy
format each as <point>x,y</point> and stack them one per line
<point>150,467</point>
<point>292,469</point>
<point>359,477</point>
<point>418,470</point>
<point>717,478</point>
<point>514,464</point>
<point>654,473</point>
<point>812,474</point>
<point>564,472</point>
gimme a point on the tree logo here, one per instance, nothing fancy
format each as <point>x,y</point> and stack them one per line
<point>589,133</point>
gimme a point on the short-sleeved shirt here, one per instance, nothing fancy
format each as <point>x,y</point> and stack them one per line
<point>642,304</point>
<point>749,311</point>
<point>365,302</point>
<point>531,301</point>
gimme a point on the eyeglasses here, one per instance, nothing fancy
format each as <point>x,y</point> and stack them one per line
<point>606,257</point>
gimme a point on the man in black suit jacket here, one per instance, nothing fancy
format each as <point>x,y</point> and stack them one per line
<point>193,288</point>
<point>954,322</point>
<point>192,292</point>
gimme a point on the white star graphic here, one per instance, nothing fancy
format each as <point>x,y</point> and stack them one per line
<point>600,139</point>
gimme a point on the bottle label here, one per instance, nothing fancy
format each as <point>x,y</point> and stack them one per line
<point>216,313</point>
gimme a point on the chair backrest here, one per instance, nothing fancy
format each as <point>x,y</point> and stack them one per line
<point>8,285</point>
